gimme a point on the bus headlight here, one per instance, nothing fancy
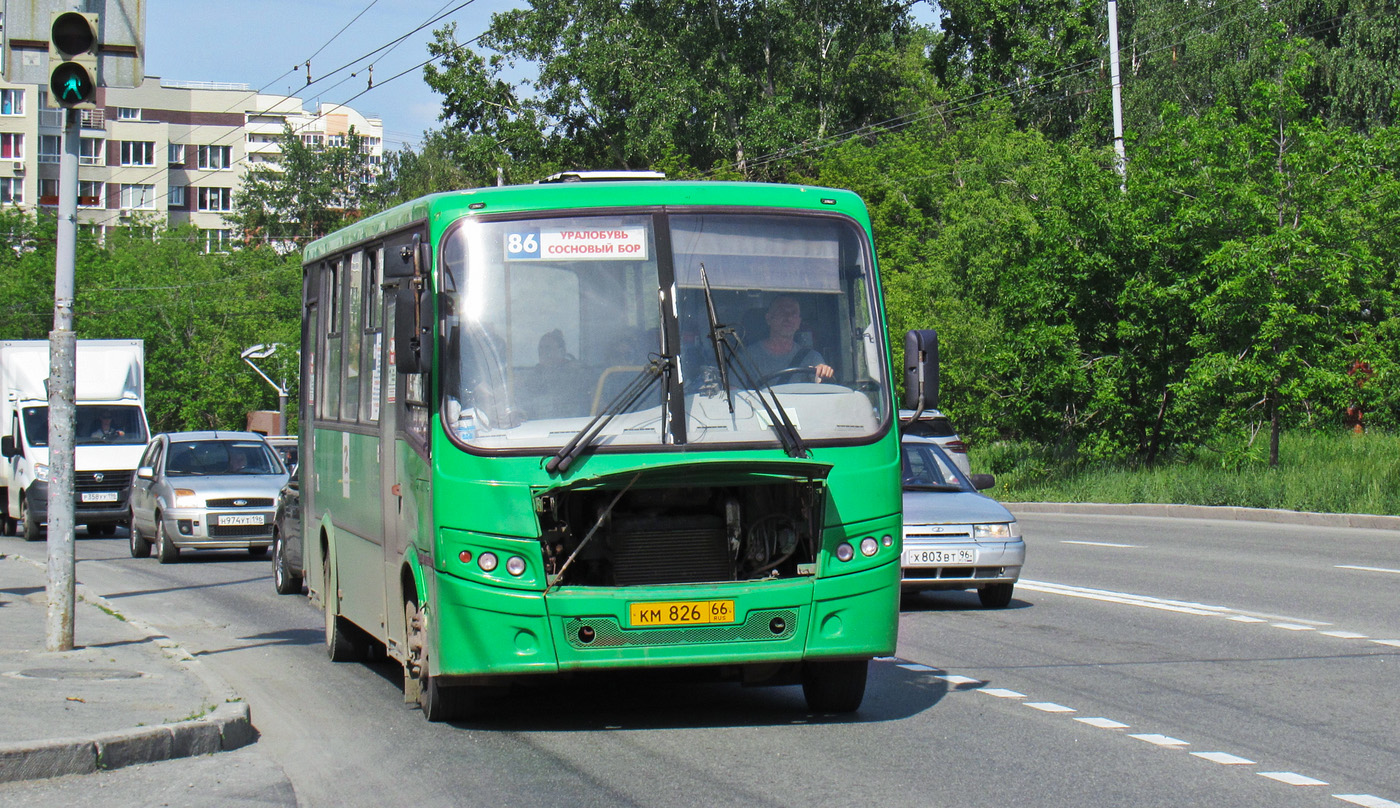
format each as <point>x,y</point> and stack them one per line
<point>487,561</point>
<point>844,551</point>
<point>185,498</point>
<point>515,565</point>
<point>868,546</point>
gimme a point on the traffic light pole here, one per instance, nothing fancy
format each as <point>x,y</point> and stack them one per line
<point>62,410</point>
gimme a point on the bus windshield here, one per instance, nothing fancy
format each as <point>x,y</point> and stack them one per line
<point>547,321</point>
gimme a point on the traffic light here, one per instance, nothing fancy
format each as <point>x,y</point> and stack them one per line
<point>73,42</point>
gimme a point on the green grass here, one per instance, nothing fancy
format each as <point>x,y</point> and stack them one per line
<point>1333,473</point>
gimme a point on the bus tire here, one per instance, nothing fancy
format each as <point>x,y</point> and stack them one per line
<point>440,703</point>
<point>344,641</point>
<point>32,529</point>
<point>834,687</point>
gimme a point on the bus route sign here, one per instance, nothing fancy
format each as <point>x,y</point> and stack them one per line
<point>577,244</point>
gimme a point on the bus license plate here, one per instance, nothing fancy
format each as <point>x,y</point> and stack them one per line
<point>922,558</point>
<point>241,519</point>
<point>100,496</point>
<point>681,613</point>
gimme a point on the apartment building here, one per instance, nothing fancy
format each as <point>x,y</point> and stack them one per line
<point>172,151</point>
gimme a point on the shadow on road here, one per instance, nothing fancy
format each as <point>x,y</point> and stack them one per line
<point>933,601</point>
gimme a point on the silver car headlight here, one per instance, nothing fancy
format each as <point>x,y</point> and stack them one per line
<point>997,531</point>
<point>185,498</point>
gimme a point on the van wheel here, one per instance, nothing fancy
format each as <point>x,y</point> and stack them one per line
<point>345,642</point>
<point>140,548</point>
<point>834,687</point>
<point>169,553</point>
<point>7,523</point>
<point>32,530</point>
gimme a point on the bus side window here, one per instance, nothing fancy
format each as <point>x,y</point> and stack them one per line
<point>331,369</point>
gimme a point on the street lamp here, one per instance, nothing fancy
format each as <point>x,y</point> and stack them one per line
<point>261,351</point>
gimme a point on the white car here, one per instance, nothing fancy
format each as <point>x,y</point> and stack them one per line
<point>954,537</point>
<point>935,425</point>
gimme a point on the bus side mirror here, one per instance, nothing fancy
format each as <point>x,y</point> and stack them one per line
<point>413,328</point>
<point>920,371</point>
<point>7,446</point>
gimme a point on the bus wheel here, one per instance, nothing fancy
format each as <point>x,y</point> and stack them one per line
<point>437,702</point>
<point>834,687</point>
<point>344,642</point>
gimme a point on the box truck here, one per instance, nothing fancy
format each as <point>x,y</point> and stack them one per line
<point>110,437</point>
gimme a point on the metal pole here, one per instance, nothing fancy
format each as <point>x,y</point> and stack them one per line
<point>282,411</point>
<point>1121,161</point>
<point>62,409</point>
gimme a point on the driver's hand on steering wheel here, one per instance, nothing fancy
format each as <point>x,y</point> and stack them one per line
<point>824,372</point>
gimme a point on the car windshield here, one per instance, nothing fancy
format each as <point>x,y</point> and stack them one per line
<point>120,424</point>
<point>547,321</point>
<point>927,468</point>
<point>212,458</point>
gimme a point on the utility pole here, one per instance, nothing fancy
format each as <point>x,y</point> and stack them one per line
<point>62,408</point>
<point>1121,161</point>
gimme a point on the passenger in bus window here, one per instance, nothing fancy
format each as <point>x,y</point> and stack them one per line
<point>551,389</point>
<point>781,350</point>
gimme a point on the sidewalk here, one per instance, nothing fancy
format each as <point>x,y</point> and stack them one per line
<point>124,695</point>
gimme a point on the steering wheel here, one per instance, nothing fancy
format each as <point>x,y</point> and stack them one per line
<point>811,370</point>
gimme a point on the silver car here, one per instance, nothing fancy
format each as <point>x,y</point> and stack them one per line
<point>934,424</point>
<point>954,537</point>
<point>205,491</point>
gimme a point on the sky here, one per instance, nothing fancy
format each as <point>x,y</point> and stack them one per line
<point>257,43</point>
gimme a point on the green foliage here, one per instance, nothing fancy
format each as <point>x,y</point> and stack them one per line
<point>195,312</point>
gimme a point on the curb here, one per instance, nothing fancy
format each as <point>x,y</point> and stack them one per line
<point>1271,515</point>
<point>228,726</point>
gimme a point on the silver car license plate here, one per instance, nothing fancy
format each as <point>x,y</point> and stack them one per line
<point>933,558</point>
<point>241,519</point>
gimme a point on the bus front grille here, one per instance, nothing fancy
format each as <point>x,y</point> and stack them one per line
<point>669,550</point>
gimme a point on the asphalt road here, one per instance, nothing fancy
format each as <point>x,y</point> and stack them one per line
<point>1213,642</point>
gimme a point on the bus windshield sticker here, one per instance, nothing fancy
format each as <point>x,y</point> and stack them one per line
<point>607,243</point>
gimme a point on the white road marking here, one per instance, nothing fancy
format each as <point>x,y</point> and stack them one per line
<point>914,666</point>
<point>1367,569</point>
<point>1391,643</point>
<point>1346,635</point>
<point>1225,758</point>
<point>1050,707</point>
<point>1239,618</point>
<point>1292,627</point>
<point>1103,723</point>
<point>1095,543</point>
<point>1163,604</point>
<point>1160,740</point>
<point>954,679</point>
<point>1366,800</point>
<point>1293,778</point>
<point>1002,693</point>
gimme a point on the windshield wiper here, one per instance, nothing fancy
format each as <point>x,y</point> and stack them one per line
<point>624,400</point>
<point>778,418</point>
<point>718,335</point>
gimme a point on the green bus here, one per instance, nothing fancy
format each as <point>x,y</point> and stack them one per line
<point>590,425</point>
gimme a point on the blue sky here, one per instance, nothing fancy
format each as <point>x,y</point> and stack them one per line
<point>256,42</point>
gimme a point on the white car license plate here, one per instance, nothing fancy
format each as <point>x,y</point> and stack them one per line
<point>241,519</point>
<point>928,558</point>
<point>100,496</point>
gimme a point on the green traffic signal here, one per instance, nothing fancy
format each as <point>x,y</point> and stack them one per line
<point>70,83</point>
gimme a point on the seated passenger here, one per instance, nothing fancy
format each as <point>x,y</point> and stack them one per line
<point>551,389</point>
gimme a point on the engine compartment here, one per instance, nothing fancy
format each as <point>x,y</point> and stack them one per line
<point>679,534</point>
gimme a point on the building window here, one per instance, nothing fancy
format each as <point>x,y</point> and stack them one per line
<point>12,190</point>
<point>50,148</point>
<point>128,114</point>
<point>11,146</point>
<point>313,141</point>
<point>139,197</point>
<point>175,197</point>
<point>11,102</point>
<point>138,153</point>
<point>175,154</point>
<point>90,151</point>
<point>214,199</point>
<point>215,157</point>
<point>216,240</point>
<point>335,141</point>
<point>90,194</point>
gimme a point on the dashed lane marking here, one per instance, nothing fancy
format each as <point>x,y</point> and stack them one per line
<point>1293,778</point>
<point>1103,723</point>
<point>1366,800</point>
<point>914,666</point>
<point>954,679</point>
<point>1391,643</point>
<point>1345,635</point>
<point>1368,569</point>
<point>1224,758</point>
<point>1049,707</point>
<point>1162,604</point>
<point>1292,627</point>
<point>1002,693</point>
<point>1096,543</point>
<point>1160,740</point>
